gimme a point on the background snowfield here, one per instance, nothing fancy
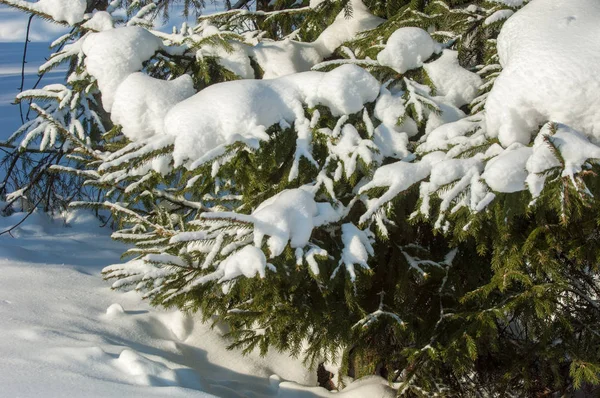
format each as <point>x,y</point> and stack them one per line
<point>63,332</point>
<point>10,79</point>
<point>13,26</point>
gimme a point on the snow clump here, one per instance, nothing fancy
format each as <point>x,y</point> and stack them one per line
<point>456,84</point>
<point>291,215</point>
<point>408,48</point>
<point>141,103</point>
<point>112,55</point>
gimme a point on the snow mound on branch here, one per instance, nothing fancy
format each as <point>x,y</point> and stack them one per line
<point>456,84</point>
<point>242,110</point>
<point>498,16</point>
<point>141,103</point>
<point>248,262</point>
<point>398,177</point>
<point>345,28</point>
<point>518,167</point>
<point>69,11</point>
<point>448,114</point>
<point>510,3</point>
<point>357,249</point>
<point>285,57</point>
<point>344,90</point>
<point>575,150</point>
<point>289,216</point>
<point>390,108</point>
<point>114,54</point>
<point>407,48</point>
<point>99,22</point>
<point>551,57</point>
<point>236,60</point>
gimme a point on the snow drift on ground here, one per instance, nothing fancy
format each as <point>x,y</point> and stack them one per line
<point>65,333</point>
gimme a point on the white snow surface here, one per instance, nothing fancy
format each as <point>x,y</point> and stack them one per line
<point>112,55</point>
<point>228,112</point>
<point>65,333</point>
<point>550,53</point>
<point>141,103</point>
<point>407,48</point>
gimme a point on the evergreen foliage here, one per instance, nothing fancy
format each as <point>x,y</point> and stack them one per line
<point>437,282</point>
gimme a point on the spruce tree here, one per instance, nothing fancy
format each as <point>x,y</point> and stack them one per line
<point>348,219</point>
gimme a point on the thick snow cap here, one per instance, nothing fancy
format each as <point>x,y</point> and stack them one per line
<point>242,110</point>
<point>114,54</point>
<point>550,51</point>
<point>141,103</point>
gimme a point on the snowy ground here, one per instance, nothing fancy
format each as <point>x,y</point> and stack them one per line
<point>63,332</point>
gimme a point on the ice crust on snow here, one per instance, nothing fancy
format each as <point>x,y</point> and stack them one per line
<point>550,53</point>
<point>407,48</point>
<point>228,112</point>
<point>112,55</point>
<point>141,103</point>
